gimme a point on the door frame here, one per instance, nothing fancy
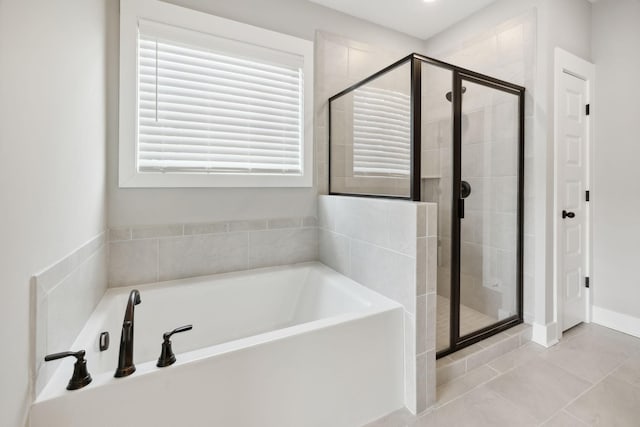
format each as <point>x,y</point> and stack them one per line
<point>566,62</point>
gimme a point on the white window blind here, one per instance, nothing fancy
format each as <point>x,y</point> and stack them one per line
<point>381,132</point>
<point>208,111</point>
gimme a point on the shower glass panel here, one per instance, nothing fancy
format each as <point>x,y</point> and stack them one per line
<point>424,130</point>
<point>489,189</point>
<point>371,137</point>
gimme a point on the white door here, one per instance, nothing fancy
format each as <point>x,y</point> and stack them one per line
<point>572,163</point>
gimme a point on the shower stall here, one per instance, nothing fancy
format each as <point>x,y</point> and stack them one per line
<point>424,130</point>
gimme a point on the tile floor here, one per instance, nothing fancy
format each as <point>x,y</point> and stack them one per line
<point>591,378</point>
<point>470,321</point>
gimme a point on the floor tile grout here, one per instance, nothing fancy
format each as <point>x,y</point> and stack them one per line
<point>593,336</point>
<point>593,385</point>
<point>436,406</point>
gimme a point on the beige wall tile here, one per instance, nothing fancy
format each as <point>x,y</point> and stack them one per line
<point>157,231</point>
<point>133,262</point>
<point>210,228</point>
<point>199,255</point>
<point>385,271</point>
<point>285,223</point>
<point>335,251</point>
<point>287,246</point>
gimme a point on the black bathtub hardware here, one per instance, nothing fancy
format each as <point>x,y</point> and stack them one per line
<point>566,214</point>
<point>80,377</point>
<point>167,357</point>
<point>125,356</point>
<point>103,342</point>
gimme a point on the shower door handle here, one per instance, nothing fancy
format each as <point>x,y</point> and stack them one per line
<point>566,214</point>
<point>465,191</point>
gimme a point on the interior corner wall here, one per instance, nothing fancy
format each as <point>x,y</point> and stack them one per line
<point>564,24</point>
<point>616,179</point>
<point>132,206</point>
<point>52,155</point>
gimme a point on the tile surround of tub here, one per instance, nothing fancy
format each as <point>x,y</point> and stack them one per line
<point>390,247</point>
<point>63,297</point>
<point>148,254</point>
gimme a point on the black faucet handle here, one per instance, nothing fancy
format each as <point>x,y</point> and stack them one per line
<point>166,354</point>
<point>81,376</point>
<point>167,335</point>
<point>55,356</point>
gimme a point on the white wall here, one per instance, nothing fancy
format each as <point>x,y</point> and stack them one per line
<point>564,24</point>
<point>616,229</point>
<point>164,206</point>
<point>52,160</point>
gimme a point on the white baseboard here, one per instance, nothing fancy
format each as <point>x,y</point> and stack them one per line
<point>618,321</point>
<point>545,335</point>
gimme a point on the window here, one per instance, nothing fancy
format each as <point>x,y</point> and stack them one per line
<point>230,109</point>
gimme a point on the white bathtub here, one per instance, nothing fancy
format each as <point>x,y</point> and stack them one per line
<point>291,346</point>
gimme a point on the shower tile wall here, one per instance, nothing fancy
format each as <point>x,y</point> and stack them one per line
<point>390,247</point>
<point>339,63</point>
<point>506,52</point>
<point>487,245</point>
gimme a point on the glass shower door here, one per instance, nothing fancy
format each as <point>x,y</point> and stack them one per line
<point>487,180</point>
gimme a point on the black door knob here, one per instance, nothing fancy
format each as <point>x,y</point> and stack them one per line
<point>566,214</point>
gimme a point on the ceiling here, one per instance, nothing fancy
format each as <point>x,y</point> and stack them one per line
<point>414,17</point>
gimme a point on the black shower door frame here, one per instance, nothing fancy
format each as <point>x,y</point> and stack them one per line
<point>457,342</point>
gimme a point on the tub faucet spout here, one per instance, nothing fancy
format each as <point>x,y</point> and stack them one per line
<point>125,356</point>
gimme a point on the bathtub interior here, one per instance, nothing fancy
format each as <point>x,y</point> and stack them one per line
<point>222,308</point>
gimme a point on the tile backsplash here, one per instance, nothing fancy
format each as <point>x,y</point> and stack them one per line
<point>165,252</point>
<point>63,297</point>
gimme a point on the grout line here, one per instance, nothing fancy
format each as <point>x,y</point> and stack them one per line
<point>76,252</point>
<point>594,385</point>
<point>558,412</point>
<point>369,243</point>
<point>573,416</point>
<point>226,226</point>
<point>247,264</point>
<point>436,406</point>
<point>588,389</point>
<point>494,369</point>
<point>48,292</point>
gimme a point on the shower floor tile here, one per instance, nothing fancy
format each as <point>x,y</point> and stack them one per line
<point>470,321</point>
